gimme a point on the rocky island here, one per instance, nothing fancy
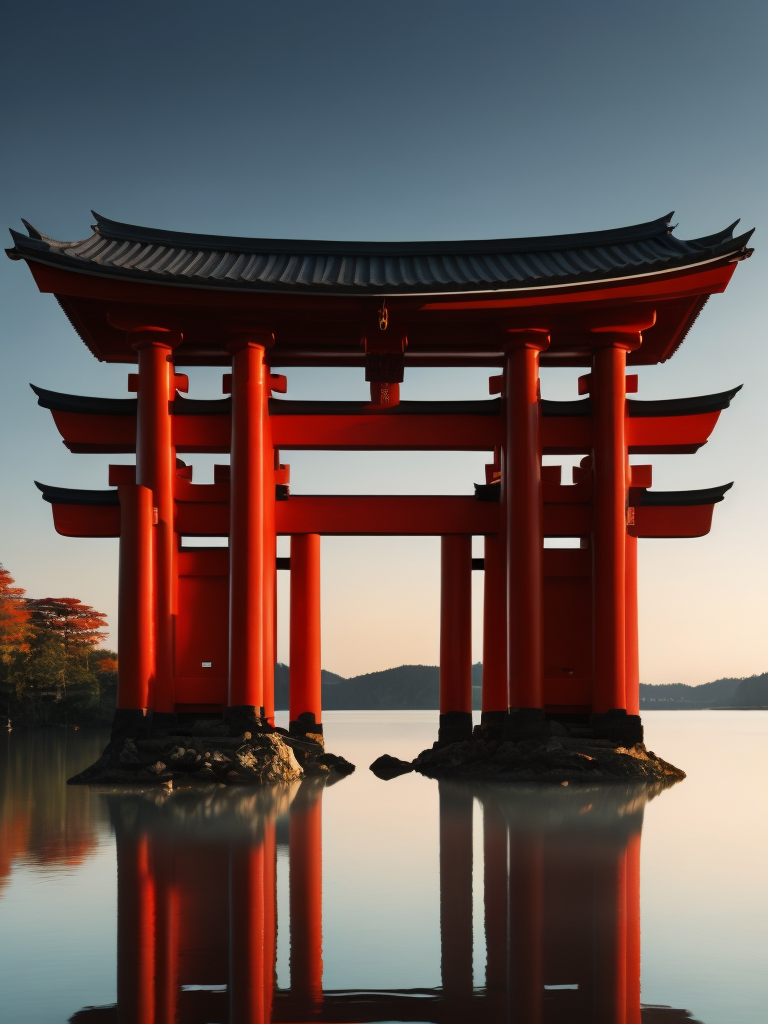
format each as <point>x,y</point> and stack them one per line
<point>553,758</point>
<point>207,752</point>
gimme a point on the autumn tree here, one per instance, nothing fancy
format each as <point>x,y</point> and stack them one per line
<point>15,632</point>
<point>78,627</point>
<point>59,682</point>
<point>52,670</point>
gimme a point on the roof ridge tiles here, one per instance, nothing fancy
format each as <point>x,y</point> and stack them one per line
<point>117,230</point>
<point>295,265</point>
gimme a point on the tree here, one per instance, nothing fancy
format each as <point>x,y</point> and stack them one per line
<point>15,626</point>
<point>78,626</point>
<point>59,679</point>
<point>51,669</point>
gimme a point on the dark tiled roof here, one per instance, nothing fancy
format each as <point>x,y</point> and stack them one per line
<point>639,408</point>
<point>183,406</point>
<point>378,268</point>
<point>704,496</point>
<point>58,402</point>
<point>71,496</point>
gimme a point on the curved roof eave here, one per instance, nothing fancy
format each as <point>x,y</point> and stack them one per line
<point>73,496</point>
<point>702,496</point>
<point>418,269</point>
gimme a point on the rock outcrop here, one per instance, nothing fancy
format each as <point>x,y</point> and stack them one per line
<point>561,759</point>
<point>259,758</point>
<point>388,767</point>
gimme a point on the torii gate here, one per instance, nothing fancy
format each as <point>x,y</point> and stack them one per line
<point>196,627</point>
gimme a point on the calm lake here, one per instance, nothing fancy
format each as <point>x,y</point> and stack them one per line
<point>378,901</point>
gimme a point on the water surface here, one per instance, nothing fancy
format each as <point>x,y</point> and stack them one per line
<point>372,901</point>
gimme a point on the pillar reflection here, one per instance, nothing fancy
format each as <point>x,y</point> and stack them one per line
<point>198,909</point>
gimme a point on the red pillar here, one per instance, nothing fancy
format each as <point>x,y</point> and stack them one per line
<point>305,881</point>
<point>246,533</point>
<point>246,946</point>
<point>609,502</point>
<point>632,679</point>
<point>455,639</point>
<point>270,570</point>
<point>155,469</point>
<point>456,804</point>
<point>135,932</point>
<point>495,694</point>
<point>305,698</point>
<point>135,617</point>
<point>525,532</point>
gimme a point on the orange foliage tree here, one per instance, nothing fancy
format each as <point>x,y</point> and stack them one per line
<point>78,626</point>
<point>15,627</point>
<point>51,668</point>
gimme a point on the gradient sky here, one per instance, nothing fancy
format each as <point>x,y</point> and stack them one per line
<point>417,120</point>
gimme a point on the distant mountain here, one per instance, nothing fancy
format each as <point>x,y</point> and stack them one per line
<point>417,687</point>
<point>408,687</point>
<point>744,692</point>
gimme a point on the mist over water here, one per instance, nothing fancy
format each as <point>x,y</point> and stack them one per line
<point>406,900</point>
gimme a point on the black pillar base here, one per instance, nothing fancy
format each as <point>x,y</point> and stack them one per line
<point>455,727</point>
<point>163,721</point>
<point>305,727</point>
<point>246,718</point>
<point>525,724</point>
<point>618,726</point>
<point>130,722</point>
<point>492,724</point>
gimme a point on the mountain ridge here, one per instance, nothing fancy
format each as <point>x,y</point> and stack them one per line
<point>417,688</point>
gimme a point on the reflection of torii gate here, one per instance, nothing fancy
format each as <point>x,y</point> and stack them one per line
<point>197,628</point>
<point>197,918</point>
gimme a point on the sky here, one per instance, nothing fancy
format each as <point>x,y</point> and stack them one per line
<point>406,121</point>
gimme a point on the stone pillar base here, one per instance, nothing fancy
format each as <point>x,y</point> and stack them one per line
<point>455,727</point>
<point>130,722</point>
<point>246,718</point>
<point>618,726</point>
<point>525,724</point>
<point>306,727</point>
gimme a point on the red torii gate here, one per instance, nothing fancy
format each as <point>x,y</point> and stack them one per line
<point>196,627</point>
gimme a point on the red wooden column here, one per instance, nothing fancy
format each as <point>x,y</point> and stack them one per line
<point>305,883</point>
<point>609,502</point>
<point>455,639</point>
<point>521,483</point>
<point>456,805</point>
<point>305,697</point>
<point>136,610</point>
<point>247,530</point>
<point>495,690</point>
<point>270,571</point>
<point>631,638</point>
<point>155,469</point>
